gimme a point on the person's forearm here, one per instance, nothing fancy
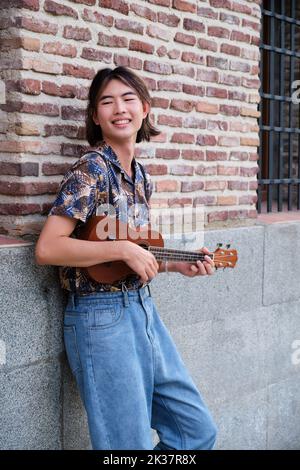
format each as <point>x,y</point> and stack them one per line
<point>66,251</point>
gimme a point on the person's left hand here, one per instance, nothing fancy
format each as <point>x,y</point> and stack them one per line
<point>207,267</point>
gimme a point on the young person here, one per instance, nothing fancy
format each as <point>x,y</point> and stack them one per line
<point>130,375</point>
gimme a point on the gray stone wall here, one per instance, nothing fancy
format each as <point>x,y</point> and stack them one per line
<point>234,330</point>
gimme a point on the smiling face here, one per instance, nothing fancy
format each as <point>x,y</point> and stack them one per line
<point>119,102</point>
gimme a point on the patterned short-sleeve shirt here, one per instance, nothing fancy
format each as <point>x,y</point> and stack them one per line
<point>94,180</point>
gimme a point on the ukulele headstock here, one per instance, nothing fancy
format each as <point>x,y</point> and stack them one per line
<point>225,257</point>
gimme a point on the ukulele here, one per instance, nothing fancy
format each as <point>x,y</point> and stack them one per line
<point>107,228</point>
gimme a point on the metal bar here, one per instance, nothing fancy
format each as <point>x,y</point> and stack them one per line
<point>271,133</point>
<point>276,97</point>
<point>280,180</point>
<point>288,19</point>
<point>260,122</point>
<point>281,81</point>
<point>292,74</point>
<point>280,50</point>
<point>281,129</point>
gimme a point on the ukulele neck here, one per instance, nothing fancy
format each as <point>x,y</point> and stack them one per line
<point>166,254</point>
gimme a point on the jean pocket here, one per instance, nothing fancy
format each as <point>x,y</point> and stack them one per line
<point>72,350</point>
<point>106,316</point>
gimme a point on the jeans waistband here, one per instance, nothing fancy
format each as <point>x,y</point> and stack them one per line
<point>110,297</point>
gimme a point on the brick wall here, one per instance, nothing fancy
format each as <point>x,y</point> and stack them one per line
<point>200,60</point>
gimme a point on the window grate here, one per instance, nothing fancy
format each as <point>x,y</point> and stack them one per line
<point>279,122</point>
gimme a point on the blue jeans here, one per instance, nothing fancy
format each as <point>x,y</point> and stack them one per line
<point>130,375</point>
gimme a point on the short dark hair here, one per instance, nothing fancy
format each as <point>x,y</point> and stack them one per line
<point>103,76</point>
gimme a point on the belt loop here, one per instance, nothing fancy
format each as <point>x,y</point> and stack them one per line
<point>125,295</point>
<point>148,285</point>
<point>72,299</point>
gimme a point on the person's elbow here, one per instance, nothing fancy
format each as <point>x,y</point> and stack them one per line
<point>40,254</point>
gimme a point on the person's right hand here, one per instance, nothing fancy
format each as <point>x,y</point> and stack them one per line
<point>142,261</point>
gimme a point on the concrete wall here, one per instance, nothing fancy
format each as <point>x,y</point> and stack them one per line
<point>235,332</point>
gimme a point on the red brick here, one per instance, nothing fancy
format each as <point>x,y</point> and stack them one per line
<point>192,154</point>
<point>182,170</point>
<point>207,44</point>
<point>206,170</point>
<point>230,49</point>
<point>228,141</point>
<point>59,9</point>
<point>182,105</point>
<point>180,201</point>
<point>144,12</point>
<point>78,71</point>
<point>132,62</point>
<point>184,6</point>
<point>207,13</point>
<point>206,140</point>
<point>169,154</point>
<point>218,32</point>
<point>229,110</point>
<point>50,169</point>
<point>167,186</point>
<point>206,200</point>
<point>249,171</point>
<point>239,66</point>
<point>75,114</point>
<point>239,36</point>
<point>154,169</point>
<point>19,209</point>
<point>28,86</point>
<point>215,185</point>
<point>231,80</point>
<point>112,40</point>
<point>28,4</point>
<point>251,24</point>
<point>159,102</point>
<point>171,121</point>
<point>168,20</point>
<point>216,92</point>
<point>118,5</point>
<point>38,26</point>
<point>79,34</point>
<point>96,17</point>
<point>241,8</point>
<point>217,62</point>
<point>185,39</point>
<point>238,185</point>
<point>169,86</point>
<point>157,32</point>
<point>193,90</point>
<point>188,186</point>
<point>207,75</point>
<point>32,188</point>
<point>45,109</point>
<point>228,170</point>
<point>219,125</point>
<point>65,91</point>
<point>182,138</point>
<point>209,108</point>
<point>192,25</point>
<point>141,46</point>
<point>226,200</point>
<point>129,25</point>
<point>72,150</point>
<point>193,57</point>
<point>231,19</point>
<point>217,216</point>
<point>96,54</point>
<point>157,67</point>
<point>215,155</point>
<point>162,51</point>
<point>186,70</point>
<point>194,122</point>
<point>66,50</point>
<point>19,169</point>
<point>220,4</point>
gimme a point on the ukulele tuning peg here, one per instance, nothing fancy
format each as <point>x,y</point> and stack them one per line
<point>219,245</point>
<point>228,246</point>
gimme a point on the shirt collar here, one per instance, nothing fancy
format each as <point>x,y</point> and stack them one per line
<point>112,156</point>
